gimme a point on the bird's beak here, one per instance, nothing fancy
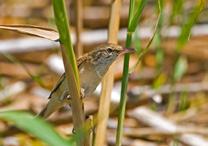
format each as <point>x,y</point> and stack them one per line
<point>127,50</point>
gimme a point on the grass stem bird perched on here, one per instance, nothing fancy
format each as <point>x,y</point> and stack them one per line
<point>92,68</point>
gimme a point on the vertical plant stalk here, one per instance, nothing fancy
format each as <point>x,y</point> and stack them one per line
<point>133,18</point>
<point>180,66</point>
<point>71,69</point>
<point>79,27</point>
<point>123,99</point>
<point>107,84</point>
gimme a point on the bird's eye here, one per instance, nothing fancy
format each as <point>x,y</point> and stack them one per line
<point>109,50</point>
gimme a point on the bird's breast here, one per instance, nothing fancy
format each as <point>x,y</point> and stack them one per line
<point>89,78</point>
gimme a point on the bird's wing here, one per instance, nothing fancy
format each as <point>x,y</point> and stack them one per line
<point>79,62</point>
<point>57,84</point>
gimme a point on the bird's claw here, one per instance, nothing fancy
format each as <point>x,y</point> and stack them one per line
<point>89,125</point>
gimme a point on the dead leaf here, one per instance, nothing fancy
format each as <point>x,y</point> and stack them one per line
<point>43,32</point>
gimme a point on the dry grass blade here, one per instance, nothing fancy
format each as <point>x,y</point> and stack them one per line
<point>33,30</point>
<point>107,83</point>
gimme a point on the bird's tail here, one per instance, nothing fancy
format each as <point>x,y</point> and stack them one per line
<point>43,113</point>
<point>51,107</point>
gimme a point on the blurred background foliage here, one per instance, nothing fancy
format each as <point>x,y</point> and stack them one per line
<point>170,79</point>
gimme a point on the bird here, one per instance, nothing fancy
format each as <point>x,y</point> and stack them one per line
<point>92,68</point>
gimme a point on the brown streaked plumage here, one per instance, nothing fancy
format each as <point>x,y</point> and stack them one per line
<point>92,67</point>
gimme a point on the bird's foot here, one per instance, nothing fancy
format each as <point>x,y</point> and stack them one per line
<point>89,126</point>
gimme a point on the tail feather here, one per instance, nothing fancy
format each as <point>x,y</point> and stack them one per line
<point>52,106</point>
<point>43,113</point>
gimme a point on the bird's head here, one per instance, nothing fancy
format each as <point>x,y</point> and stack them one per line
<point>107,53</point>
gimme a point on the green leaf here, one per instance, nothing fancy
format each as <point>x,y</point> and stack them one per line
<point>137,41</point>
<point>183,101</point>
<point>62,23</point>
<point>180,68</point>
<point>177,8</point>
<point>132,23</point>
<point>158,37</point>
<point>186,28</point>
<point>36,127</point>
<point>71,69</point>
<point>160,80</point>
<point>135,18</point>
<point>143,51</point>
